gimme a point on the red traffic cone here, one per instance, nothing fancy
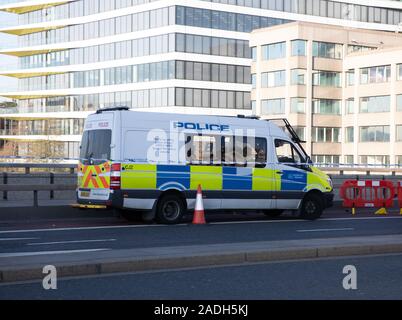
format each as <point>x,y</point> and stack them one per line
<point>199,216</point>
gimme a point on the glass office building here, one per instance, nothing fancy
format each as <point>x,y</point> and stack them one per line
<point>188,56</point>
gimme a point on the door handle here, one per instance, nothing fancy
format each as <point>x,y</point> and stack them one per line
<point>279,172</point>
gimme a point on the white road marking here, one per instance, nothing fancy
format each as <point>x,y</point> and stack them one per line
<point>68,242</point>
<point>16,239</point>
<point>83,228</point>
<point>39,253</point>
<point>186,224</point>
<point>295,220</point>
<point>326,230</point>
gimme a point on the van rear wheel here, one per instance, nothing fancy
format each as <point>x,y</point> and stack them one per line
<point>312,207</point>
<point>170,209</point>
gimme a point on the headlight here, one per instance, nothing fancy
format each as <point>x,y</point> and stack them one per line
<point>330,183</point>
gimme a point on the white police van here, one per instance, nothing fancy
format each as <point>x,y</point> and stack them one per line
<point>152,163</point>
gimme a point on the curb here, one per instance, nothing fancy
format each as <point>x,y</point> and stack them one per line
<point>196,260</point>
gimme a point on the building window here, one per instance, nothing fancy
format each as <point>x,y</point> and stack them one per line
<point>299,47</point>
<point>326,159</point>
<point>399,102</point>
<point>326,106</point>
<point>350,77</point>
<point>273,106</point>
<point>301,132</point>
<point>349,159</point>
<point>322,134</point>
<point>375,74</point>
<point>399,71</point>
<point>399,133</point>
<point>399,161</point>
<point>327,79</point>
<point>350,106</point>
<point>298,105</point>
<point>273,79</point>
<point>349,134</point>
<point>253,105</point>
<point>254,53</point>
<point>374,160</point>
<point>274,51</point>
<point>374,134</point>
<point>298,77</point>
<point>327,50</point>
<point>253,80</point>
<point>359,48</point>
<point>375,104</point>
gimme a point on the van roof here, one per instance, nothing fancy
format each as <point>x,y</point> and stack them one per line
<point>241,120</point>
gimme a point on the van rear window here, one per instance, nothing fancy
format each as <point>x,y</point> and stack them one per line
<point>95,146</point>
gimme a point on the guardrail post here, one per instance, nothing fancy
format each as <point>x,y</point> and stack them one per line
<point>5,181</point>
<point>35,199</point>
<point>51,182</point>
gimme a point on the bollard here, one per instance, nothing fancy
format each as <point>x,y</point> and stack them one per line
<point>51,182</point>
<point>35,199</point>
<point>5,181</point>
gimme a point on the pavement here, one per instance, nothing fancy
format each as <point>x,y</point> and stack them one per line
<point>377,277</point>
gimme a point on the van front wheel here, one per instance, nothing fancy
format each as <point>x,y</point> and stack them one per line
<point>312,207</point>
<point>170,209</point>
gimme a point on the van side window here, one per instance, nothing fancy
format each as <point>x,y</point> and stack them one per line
<point>287,153</point>
<point>202,150</point>
<point>236,151</point>
<point>242,151</point>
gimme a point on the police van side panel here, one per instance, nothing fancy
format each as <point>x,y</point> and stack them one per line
<point>224,186</point>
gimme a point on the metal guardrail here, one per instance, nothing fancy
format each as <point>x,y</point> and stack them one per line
<point>35,188</point>
<point>29,166</point>
<point>368,171</point>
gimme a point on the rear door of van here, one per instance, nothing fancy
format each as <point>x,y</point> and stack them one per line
<point>95,158</point>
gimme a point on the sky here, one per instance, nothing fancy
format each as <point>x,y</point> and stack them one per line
<point>6,41</point>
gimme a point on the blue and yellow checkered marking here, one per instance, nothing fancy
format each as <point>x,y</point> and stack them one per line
<point>181,177</point>
<point>293,180</point>
<point>169,176</point>
<point>237,178</point>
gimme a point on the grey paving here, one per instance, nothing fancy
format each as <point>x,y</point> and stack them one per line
<point>378,277</point>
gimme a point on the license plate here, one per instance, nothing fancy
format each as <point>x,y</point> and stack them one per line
<point>85,194</point>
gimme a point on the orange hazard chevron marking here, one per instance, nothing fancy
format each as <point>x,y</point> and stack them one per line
<point>91,176</point>
<point>101,178</point>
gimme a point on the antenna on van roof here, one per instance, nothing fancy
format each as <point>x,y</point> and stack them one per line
<point>117,108</point>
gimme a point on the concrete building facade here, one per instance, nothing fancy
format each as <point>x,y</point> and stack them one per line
<point>193,56</point>
<point>340,87</point>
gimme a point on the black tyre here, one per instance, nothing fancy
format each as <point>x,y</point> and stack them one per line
<point>170,209</point>
<point>273,213</point>
<point>312,207</point>
<point>129,215</point>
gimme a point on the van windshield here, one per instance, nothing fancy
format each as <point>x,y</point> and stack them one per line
<point>95,146</point>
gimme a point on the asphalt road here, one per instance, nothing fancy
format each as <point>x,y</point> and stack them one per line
<point>378,277</point>
<point>21,241</point>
